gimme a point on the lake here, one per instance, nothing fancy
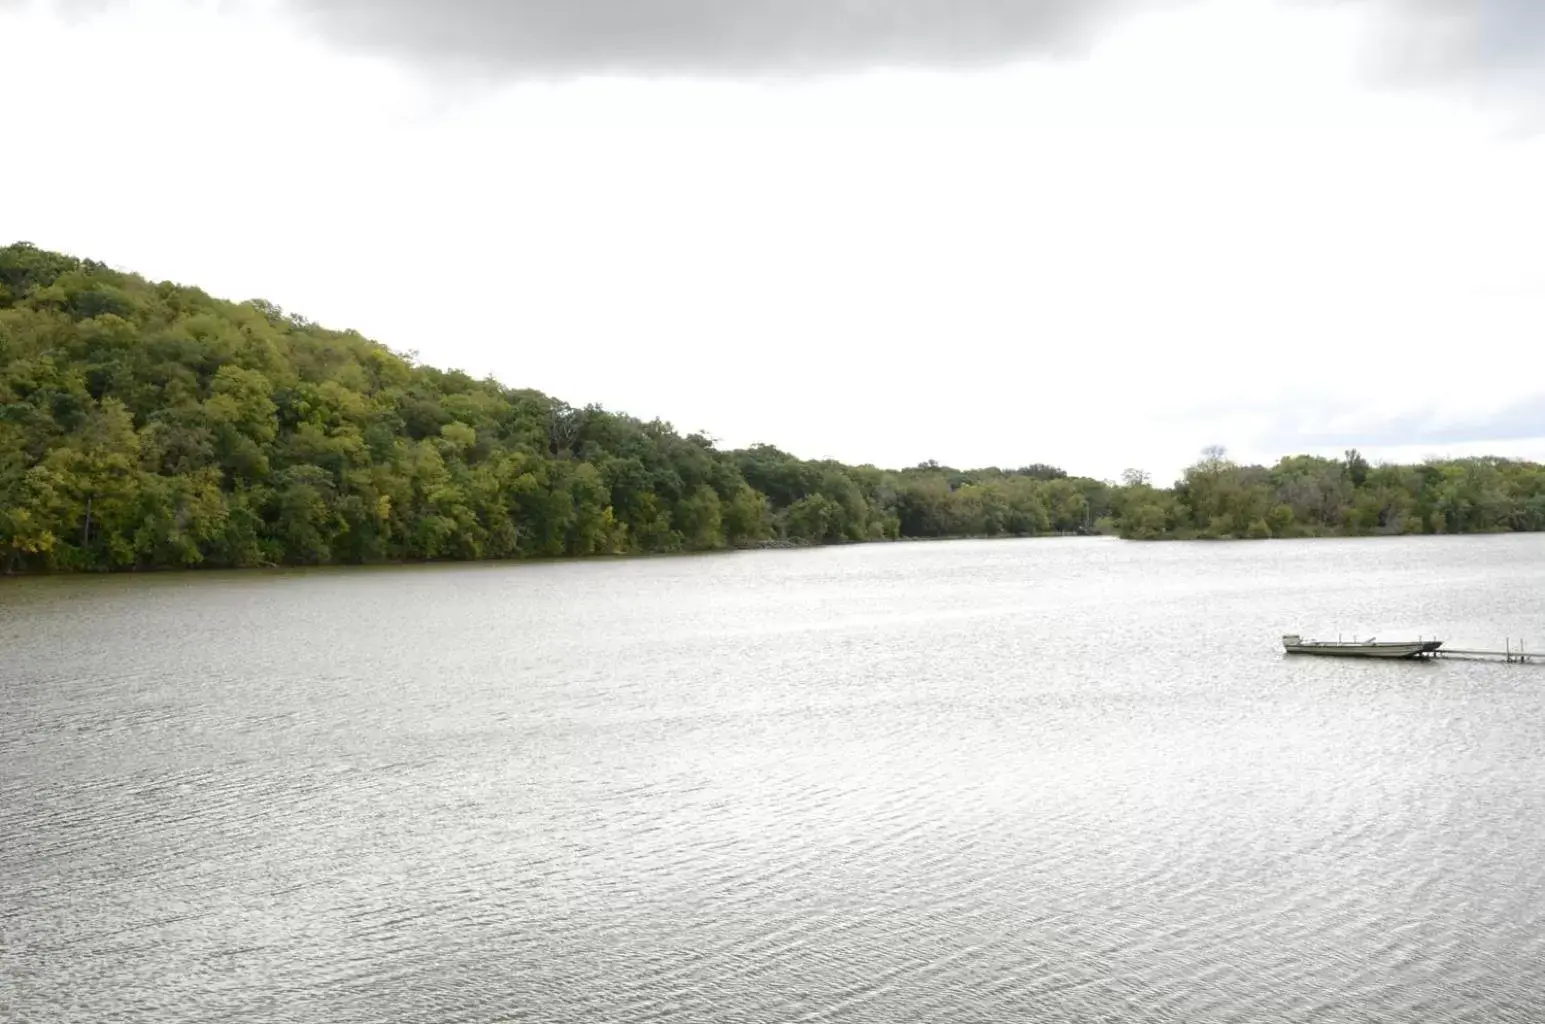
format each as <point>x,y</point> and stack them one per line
<point>1042,780</point>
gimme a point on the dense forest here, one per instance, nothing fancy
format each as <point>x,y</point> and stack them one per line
<point>148,425</point>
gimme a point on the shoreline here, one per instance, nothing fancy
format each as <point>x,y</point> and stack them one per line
<point>180,570</point>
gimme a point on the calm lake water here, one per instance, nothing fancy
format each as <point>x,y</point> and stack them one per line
<point>979,781</point>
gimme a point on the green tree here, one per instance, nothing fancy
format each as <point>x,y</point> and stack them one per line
<point>148,424</point>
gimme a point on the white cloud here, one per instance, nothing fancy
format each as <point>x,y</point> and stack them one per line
<point>1208,228</point>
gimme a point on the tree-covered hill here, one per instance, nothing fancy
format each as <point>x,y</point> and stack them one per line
<point>149,425</point>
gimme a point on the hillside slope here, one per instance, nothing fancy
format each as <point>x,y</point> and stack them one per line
<point>149,425</point>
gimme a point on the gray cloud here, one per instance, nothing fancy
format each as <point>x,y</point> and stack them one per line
<point>1470,43</point>
<point>1518,421</point>
<point>559,37</point>
<point>1417,41</point>
<point>1444,42</point>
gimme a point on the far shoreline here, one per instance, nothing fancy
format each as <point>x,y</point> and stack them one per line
<point>131,572</point>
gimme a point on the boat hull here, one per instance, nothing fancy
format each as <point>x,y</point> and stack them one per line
<point>1392,649</point>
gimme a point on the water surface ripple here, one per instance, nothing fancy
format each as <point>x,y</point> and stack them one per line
<point>995,781</point>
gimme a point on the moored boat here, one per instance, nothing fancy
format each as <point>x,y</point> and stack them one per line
<point>1370,648</point>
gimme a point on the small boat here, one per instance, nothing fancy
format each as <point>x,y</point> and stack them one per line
<point>1370,648</point>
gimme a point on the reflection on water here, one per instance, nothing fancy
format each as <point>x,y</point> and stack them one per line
<point>1041,780</point>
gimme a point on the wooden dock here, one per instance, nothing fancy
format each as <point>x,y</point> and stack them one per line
<point>1514,655</point>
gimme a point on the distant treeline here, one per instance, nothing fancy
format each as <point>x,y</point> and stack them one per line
<point>148,425</point>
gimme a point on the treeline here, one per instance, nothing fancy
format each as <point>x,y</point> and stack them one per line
<point>149,425</point>
<point>1305,496</point>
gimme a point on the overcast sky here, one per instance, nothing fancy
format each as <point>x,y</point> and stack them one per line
<point>1100,234</point>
